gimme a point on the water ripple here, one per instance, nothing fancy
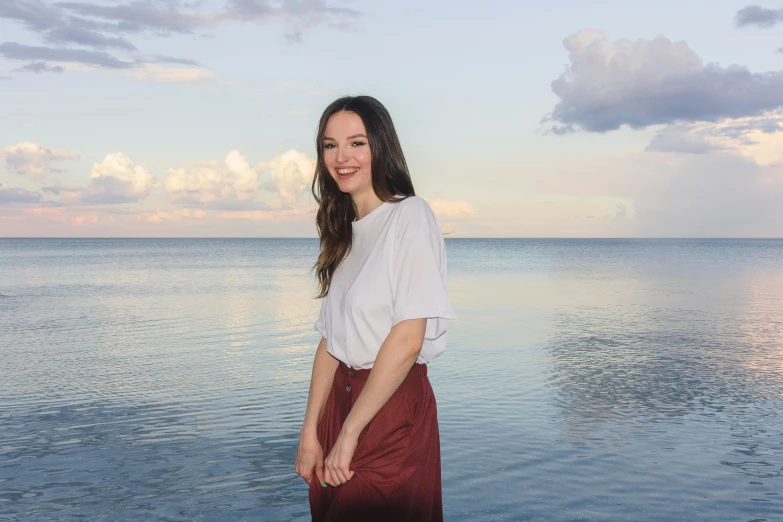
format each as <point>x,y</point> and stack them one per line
<point>593,380</point>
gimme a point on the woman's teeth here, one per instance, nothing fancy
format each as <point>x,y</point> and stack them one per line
<point>344,172</point>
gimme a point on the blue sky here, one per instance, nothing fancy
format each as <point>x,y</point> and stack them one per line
<point>518,119</point>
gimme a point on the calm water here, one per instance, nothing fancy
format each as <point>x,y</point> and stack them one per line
<point>585,380</point>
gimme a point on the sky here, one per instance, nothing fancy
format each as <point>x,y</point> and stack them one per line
<point>178,118</point>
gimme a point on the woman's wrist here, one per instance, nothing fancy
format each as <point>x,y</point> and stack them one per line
<point>309,429</point>
<point>350,430</point>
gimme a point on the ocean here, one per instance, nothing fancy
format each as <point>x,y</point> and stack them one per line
<point>166,379</point>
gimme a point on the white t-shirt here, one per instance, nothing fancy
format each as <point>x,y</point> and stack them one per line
<point>396,270</point>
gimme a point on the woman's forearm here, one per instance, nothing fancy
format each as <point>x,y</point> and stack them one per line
<point>392,364</point>
<point>324,366</point>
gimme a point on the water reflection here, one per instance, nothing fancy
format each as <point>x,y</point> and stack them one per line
<point>109,461</point>
<point>647,362</point>
<point>691,384</point>
<point>615,380</point>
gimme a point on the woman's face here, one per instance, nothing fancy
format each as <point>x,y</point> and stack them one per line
<point>347,153</point>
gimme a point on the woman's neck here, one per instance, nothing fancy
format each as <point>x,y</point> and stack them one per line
<point>365,204</point>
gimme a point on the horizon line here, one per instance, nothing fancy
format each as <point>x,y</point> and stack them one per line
<point>315,238</point>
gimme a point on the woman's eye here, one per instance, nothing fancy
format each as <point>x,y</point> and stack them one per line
<point>353,144</point>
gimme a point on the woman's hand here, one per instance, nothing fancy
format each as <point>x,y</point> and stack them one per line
<point>310,459</point>
<point>336,464</point>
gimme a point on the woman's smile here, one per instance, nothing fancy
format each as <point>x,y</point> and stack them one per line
<point>347,172</point>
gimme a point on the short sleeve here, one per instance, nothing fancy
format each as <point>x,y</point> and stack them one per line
<point>419,286</point>
<point>320,323</point>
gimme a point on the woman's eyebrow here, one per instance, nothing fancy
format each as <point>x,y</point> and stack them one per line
<point>349,137</point>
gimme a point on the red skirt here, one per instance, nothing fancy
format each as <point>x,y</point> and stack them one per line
<point>397,461</point>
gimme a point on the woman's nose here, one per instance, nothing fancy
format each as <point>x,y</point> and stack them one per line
<point>342,155</point>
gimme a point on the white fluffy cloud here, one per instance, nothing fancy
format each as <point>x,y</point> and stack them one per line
<point>228,184</point>
<point>291,175</point>
<point>33,159</point>
<point>639,83</point>
<point>117,179</point>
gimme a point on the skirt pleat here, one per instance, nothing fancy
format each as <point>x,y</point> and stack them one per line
<point>397,461</point>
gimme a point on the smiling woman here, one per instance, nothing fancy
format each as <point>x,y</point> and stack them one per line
<point>351,162</point>
<point>369,445</point>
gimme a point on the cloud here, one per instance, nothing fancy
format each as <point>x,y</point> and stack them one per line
<point>682,140</point>
<point>141,16</point>
<point>16,51</point>
<point>303,13</point>
<point>169,59</point>
<point>47,203</point>
<point>17,195</point>
<point>270,216</point>
<point>229,184</point>
<point>84,23</point>
<point>291,175</point>
<point>57,27</point>
<point>38,67</point>
<point>57,189</point>
<point>34,14</point>
<point>162,74</point>
<point>140,69</point>
<point>452,214</point>
<point>648,82</point>
<point>233,185</point>
<point>62,216</point>
<point>161,216</point>
<point>758,16</point>
<point>117,179</point>
<point>451,209</point>
<point>757,138</point>
<point>102,28</point>
<point>81,36</point>
<point>144,16</point>
<point>2,78</point>
<point>27,158</point>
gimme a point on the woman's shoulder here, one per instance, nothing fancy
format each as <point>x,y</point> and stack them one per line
<point>415,214</point>
<point>414,207</point>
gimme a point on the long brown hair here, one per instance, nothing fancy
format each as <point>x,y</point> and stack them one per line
<point>390,178</point>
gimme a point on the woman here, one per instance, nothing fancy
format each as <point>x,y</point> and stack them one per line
<point>369,447</point>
